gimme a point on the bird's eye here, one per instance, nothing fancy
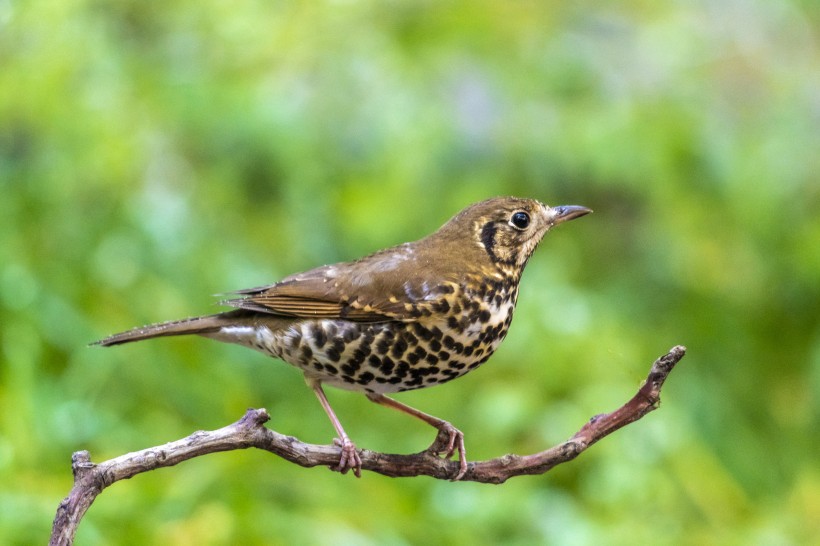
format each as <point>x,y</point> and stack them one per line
<point>520,220</point>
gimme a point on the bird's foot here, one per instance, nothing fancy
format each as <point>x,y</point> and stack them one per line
<point>448,441</point>
<point>349,458</point>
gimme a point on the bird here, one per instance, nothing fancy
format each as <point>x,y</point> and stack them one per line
<point>407,317</point>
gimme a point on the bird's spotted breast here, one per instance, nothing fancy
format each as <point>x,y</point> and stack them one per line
<point>393,356</point>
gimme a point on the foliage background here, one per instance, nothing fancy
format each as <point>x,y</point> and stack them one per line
<point>154,153</point>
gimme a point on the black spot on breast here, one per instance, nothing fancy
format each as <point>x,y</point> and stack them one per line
<point>366,378</point>
<point>349,335</point>
<point>387,366</point>
<point>358,357</point>
<point>355,364</point>
<point>294,339</point>
<point>307,352</point>
<point>398,348</point>
<point>422,332</point>
<point>333,354</point>
<point>374,361</point>
<point>382,346</point>
<point>319,338</point>
<point>435,345</point>
<point>441,306</point>
<point>484,316</point>
<point>331,369</point>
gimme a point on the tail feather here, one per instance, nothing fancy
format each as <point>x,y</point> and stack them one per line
<point>196,325</point>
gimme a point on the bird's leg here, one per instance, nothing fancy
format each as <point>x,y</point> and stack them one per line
<point>349,457</point>
<point>454,437</point>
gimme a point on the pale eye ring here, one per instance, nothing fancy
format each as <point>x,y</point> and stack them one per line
<point>520,220</point>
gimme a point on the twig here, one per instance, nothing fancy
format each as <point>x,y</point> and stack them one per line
<point>90,479</point>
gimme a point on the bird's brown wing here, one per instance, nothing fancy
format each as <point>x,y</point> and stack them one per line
<point>388,285</point>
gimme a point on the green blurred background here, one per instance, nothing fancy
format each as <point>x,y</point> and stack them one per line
<point>155,153</point>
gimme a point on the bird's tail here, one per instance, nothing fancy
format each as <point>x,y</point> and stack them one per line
<point>197,325</point>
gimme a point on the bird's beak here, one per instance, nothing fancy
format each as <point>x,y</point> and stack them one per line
<point>564,213</point>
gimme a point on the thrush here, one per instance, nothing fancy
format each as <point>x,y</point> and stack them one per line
<point>412,316</point>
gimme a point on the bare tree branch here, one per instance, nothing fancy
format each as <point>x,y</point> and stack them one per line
<point>91,478</point>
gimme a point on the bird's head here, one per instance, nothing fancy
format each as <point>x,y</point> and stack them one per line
<point>508,229</point>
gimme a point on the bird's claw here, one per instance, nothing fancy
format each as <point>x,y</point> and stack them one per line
<point>349,457</point>
<point>447,442</point>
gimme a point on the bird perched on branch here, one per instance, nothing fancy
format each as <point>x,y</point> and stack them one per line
<point>407,317</point>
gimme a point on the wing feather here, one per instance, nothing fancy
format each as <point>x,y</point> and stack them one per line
<point>380,287</point>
